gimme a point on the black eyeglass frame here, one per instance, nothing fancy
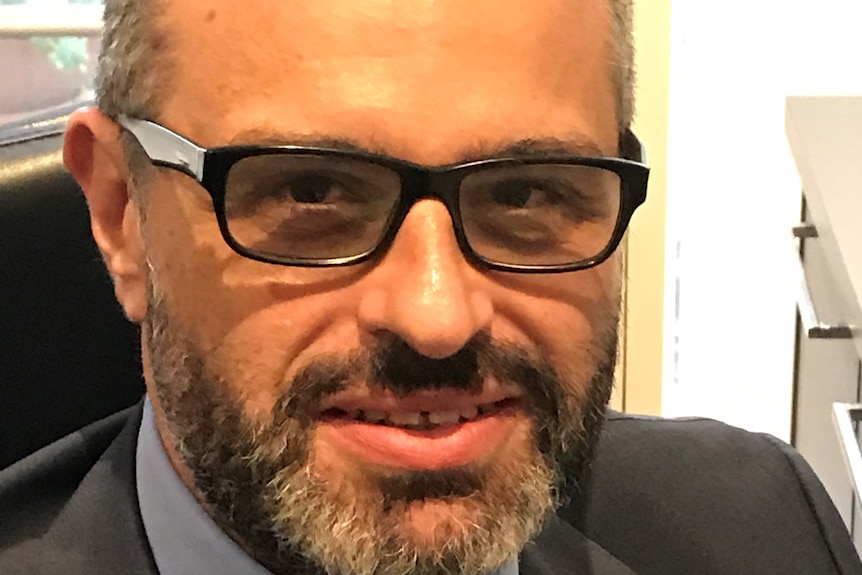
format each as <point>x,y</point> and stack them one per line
<point>210,168</point>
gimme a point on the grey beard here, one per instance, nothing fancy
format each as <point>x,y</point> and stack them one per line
<point>258,482</point>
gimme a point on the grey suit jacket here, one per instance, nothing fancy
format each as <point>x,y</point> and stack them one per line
<point>664,498</point>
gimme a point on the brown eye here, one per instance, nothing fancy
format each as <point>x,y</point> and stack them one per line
<point>512,194</point>
<point>311,189</point>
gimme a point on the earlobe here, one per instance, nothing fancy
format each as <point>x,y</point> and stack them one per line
<point>93,153</point>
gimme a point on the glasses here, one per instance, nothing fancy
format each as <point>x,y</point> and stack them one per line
<point>316,207</point>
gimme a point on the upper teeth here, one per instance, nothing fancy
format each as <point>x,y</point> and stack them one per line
<point>441,417</point>
<point>374,416</point>
<point>420,418</point>
<point>470,412</point>
<point>405,418</point>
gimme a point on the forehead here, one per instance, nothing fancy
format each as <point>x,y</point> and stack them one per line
<point>411,75</point>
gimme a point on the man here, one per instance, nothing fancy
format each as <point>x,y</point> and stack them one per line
<point>371,247</point>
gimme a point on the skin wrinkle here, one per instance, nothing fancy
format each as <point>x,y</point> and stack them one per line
<point>237,354</point>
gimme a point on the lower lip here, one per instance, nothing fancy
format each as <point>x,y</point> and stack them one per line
<point>396,448</point>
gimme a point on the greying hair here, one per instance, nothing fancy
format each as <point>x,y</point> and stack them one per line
<point>130,59</point>
<point>126,79</point>
<point>623,75</point>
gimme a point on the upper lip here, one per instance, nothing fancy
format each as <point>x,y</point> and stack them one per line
<point>421,401</point>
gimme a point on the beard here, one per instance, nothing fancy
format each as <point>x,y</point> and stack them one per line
<point>259,482</point>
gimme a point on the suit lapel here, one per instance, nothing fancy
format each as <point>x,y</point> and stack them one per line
<point>560,549</point>
<point>106,503</point>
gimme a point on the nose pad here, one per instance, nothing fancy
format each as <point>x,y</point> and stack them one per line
<point>424,290</point>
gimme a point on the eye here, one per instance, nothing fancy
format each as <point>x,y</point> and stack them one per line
<point>311,189</point>
<point>512,194</point>
<point>520,194</point>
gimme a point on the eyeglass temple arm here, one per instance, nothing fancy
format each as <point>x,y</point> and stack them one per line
<point>166,148</point>
<point>633,148</point>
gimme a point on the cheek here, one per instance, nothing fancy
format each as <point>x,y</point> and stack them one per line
<point>261,353</point>
<point>250,320</point>
<point>185,249</point>
<point>572,318</point>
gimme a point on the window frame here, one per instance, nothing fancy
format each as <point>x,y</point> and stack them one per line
<point>26,20</point>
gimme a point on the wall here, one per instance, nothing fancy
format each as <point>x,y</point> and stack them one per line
<point>642,345</point>
<point>733,195</point>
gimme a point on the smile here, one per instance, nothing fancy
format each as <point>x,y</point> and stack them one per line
<point>421,420</point>
<point>423,432</point>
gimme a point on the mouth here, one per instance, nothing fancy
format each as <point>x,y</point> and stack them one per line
<point>424,432</point>
<point>421,420</point>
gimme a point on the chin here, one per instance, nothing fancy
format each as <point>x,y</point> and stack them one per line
<point>431,523</point>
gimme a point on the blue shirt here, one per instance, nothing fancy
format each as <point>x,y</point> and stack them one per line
<point>183,537</point>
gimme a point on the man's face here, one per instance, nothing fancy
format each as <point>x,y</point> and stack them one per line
<point>414,413</point>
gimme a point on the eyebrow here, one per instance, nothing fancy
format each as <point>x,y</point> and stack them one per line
<point>527,148</point>
<point>262,137</point>
<point>540,148</point>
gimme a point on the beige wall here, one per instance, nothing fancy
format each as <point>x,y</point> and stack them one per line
<point>641,369</point>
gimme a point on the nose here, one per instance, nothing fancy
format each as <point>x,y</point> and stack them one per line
<point>424,291</point>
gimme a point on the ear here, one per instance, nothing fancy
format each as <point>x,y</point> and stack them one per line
<point>93,153</point>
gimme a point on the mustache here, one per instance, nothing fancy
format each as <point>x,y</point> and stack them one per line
<point>566,420</point>
<point>394,366</point>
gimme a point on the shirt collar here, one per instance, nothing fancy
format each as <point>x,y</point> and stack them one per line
<point>182,536</point>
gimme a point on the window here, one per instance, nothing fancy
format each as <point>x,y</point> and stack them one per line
<point>48,51</point>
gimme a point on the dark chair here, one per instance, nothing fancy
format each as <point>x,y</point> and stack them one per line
<point>68,356</point>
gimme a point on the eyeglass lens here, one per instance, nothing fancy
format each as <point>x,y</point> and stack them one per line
<point>306,206</point>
